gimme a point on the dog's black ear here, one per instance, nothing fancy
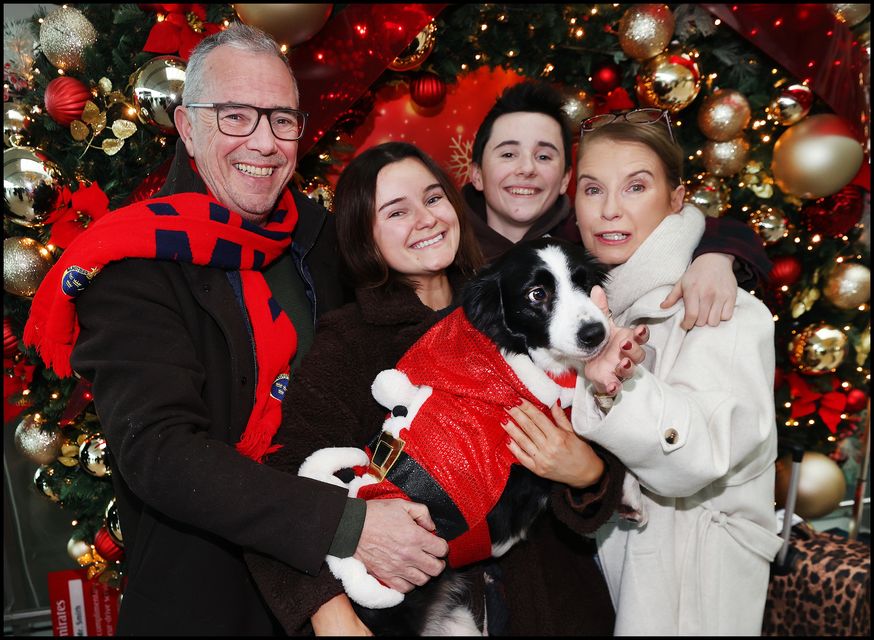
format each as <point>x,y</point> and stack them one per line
<point>481,299</point>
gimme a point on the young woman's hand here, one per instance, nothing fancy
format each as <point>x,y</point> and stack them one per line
<point>337,618</point>
<point>548,446</point>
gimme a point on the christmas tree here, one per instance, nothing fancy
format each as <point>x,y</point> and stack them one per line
<point>769,141</point>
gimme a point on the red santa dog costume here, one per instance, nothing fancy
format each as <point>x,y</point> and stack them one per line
<point>442,444</point>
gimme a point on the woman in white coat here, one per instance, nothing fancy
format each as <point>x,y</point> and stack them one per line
<point>694,423</point>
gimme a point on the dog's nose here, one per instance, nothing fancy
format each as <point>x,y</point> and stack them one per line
<point>591,334</point>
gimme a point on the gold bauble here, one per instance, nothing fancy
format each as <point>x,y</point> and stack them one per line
<point>64,35</point>
<point>821,484</point>
<point>818,349</point>
<point>113,524</point>
<point>710,195</point>
<point>38,445</point>
<point>816,158</point>
<point>851,14</point>
<point>724,115</point>
<point>725,158</point>
<point>15,121</point>
<point>42,482</point>
<point>416,52</point>
<point>31,186</point>
<point>770,224</point>
<point>578,106</point>
<point>289,24</point>
<point>93,456</point>
<point>671,80</point>
<point>157,91</point>
<point>25,264</point>
<point>645,30</point>
<point>848,285</point>
<point>791,104</point>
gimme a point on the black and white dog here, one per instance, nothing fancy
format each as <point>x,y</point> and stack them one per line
<point>526,325</point>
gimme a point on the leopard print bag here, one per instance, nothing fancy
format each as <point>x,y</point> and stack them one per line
<point>826,590</point>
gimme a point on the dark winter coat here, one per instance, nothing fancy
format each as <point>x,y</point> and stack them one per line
<point>551,582</point>
<point>167,348</point>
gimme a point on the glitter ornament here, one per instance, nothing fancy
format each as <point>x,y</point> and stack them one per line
<point>836,214</point>
<point>25,264</point>
<point>770,224</point>
<point>645,30</point>
<point>848,285</point>
<point>38,445</point>
<point>725,158</point>
<point>32,183</point>
<point>710,195</point>
<point>724,115</point>
<point>64,35</point>
<point>818,349</point>
<point>578,106</point>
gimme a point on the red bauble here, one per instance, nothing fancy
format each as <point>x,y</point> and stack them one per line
<point>856,401</point>
<point>836,214</point>
<point>10,339</point>
<point>427,89</point>
<point>606,77</point>
<point>785,271</point>
<point>65,99</point>
<point>107,547</point>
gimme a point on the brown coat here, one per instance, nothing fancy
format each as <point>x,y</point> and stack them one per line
<point>551,583</point>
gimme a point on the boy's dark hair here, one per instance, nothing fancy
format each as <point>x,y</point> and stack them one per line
<point>530,96</point>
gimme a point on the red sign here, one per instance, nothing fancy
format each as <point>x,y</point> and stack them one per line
<point>82,607</point>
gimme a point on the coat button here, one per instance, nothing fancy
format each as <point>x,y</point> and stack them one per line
<point>671,436</point>
<point>205,288</point>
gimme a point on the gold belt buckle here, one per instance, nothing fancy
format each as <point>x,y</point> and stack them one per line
<point>385,454</point>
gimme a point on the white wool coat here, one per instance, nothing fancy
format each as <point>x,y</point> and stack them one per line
<point>696,426</point>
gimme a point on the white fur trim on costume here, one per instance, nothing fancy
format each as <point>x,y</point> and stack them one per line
<point>541,385</point>
<point>324,463</point>
<point>362,587</point>
<point>392,388</point>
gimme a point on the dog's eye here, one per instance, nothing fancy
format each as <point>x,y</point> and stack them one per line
<point>537,294</point>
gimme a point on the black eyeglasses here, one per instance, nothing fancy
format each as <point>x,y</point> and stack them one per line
<point>240,120</point>
<point>635,116</point>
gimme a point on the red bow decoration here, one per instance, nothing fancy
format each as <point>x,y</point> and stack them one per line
<point>831,405</point>
<point>75,211</point>
<point>182,28</point>
<point>615,100</point>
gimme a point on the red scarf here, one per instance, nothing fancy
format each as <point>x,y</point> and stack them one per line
<point>192,228</point>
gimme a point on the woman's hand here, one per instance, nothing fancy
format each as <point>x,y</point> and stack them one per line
<point>617,359</point>
<point>337,618</point>
<point>550,448</point>
<point>708,289</point>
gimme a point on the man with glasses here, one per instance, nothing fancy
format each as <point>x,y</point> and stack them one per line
<point>194,303</point>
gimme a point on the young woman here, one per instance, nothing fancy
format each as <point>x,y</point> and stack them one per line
<point>408,252</point>
<point>694,423</point>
